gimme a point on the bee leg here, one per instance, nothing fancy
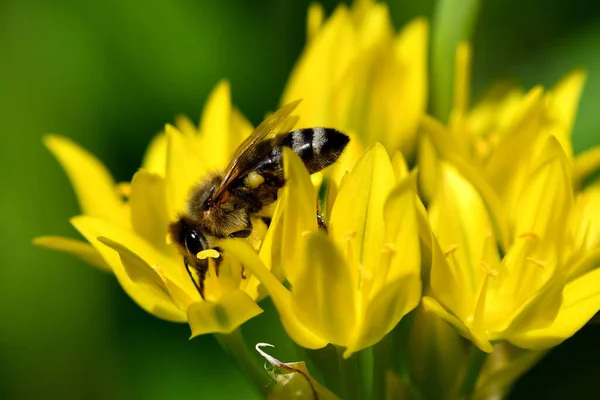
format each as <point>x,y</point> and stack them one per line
<point>267,221</point>
<point>321,223</point>
<point>198,284</point>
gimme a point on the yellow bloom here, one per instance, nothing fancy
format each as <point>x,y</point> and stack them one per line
<point>352,286</point>
<point>356,75</point>
<point>129,237</point>
<point>504,178</point>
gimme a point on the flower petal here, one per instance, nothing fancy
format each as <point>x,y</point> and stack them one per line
<point>149,298</point>
<point>461,224</point>
<point>585,165</point>
<point>215,126</point>
<point>223,316</point>
<point>325,295</point>
<point>547,199</point>
<point>299,205</point>
<point>401,85</point>
<point>478,337</point>
<point>386,309</point>
<point>581,300</point>
<point>563,105</point>
<point>314,21</point>
<point>82,250</point>
<point>358,209</point>
<point>185,167</point>
<point>537,312</point>
<point>281,297</point>
<point>401,252</point>
<point>148,208</point>
<point>155,159</point>
<point>137,269</point>
<point>93,184</point>
<point>322,63</point>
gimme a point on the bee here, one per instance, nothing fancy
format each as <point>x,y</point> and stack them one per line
<point>224,204</point>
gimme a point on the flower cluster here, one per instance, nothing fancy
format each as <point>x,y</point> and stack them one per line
<point>486,223</point>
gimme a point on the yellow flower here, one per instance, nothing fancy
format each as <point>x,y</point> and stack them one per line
<point>352,286</point>
<point>516,252</point>
<point>356,75</point>
<point>129,236</point>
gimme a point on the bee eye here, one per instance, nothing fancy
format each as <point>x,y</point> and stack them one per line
<point>194,242</point>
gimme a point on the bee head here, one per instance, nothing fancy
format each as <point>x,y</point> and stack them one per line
<point>188,237</point>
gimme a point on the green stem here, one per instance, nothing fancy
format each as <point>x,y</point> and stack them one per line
<point>381,364</point>
<point>248,363</point>
<point>350,377</point>
<point>473,370</point>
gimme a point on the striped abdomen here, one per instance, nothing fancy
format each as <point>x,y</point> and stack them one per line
<point>317,147</point>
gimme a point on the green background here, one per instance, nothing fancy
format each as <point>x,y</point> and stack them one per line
<point>110,74</point>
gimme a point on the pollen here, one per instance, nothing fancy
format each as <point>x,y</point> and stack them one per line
<point>209,253</point>
<point>388,248</point>
<point>488,270</point>
<point>451,249</point>
<point>529,235</point>
<point>349,236</point>
<point>253,180</point>
<point>536,262</point>
<point>124,189</point>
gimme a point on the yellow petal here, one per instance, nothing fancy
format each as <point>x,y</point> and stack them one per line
<point>447,281</point>
<point>386,309</point>
<point>325,293</point>
<point>399,166</point>
<point>93,184</point>
<point>79,249</point>
<point>223,316</point>
<point>215,127</point>
<point>314,21</point>
<point>495,209</point>
<point>299,202</point>
<point>281,297</point>
<point>324,60</point>
<point>145,295</point>
<point>401,85</point>
<point>137,269</point>
<point>590,261</point>
<point>358,208</point>
<point>401,252</point>
<point>517,147</point>
<point>586,218</point>
<point>581,300</point>
<point>442,144</point>
<point>478,337</point>
<point>148,208</point>
<point>585,164</point>
<point>185,168</point>
<point>185,126</point>
<point>461,224</point>
<point>563,108</point>
<point>155,159</point>
<point>547,199</point>
<point>537,312</point>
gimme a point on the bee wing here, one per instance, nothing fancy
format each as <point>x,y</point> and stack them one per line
<point>245,156</point>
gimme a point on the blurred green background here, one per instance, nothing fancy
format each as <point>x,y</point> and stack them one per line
<point>110,74</point>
